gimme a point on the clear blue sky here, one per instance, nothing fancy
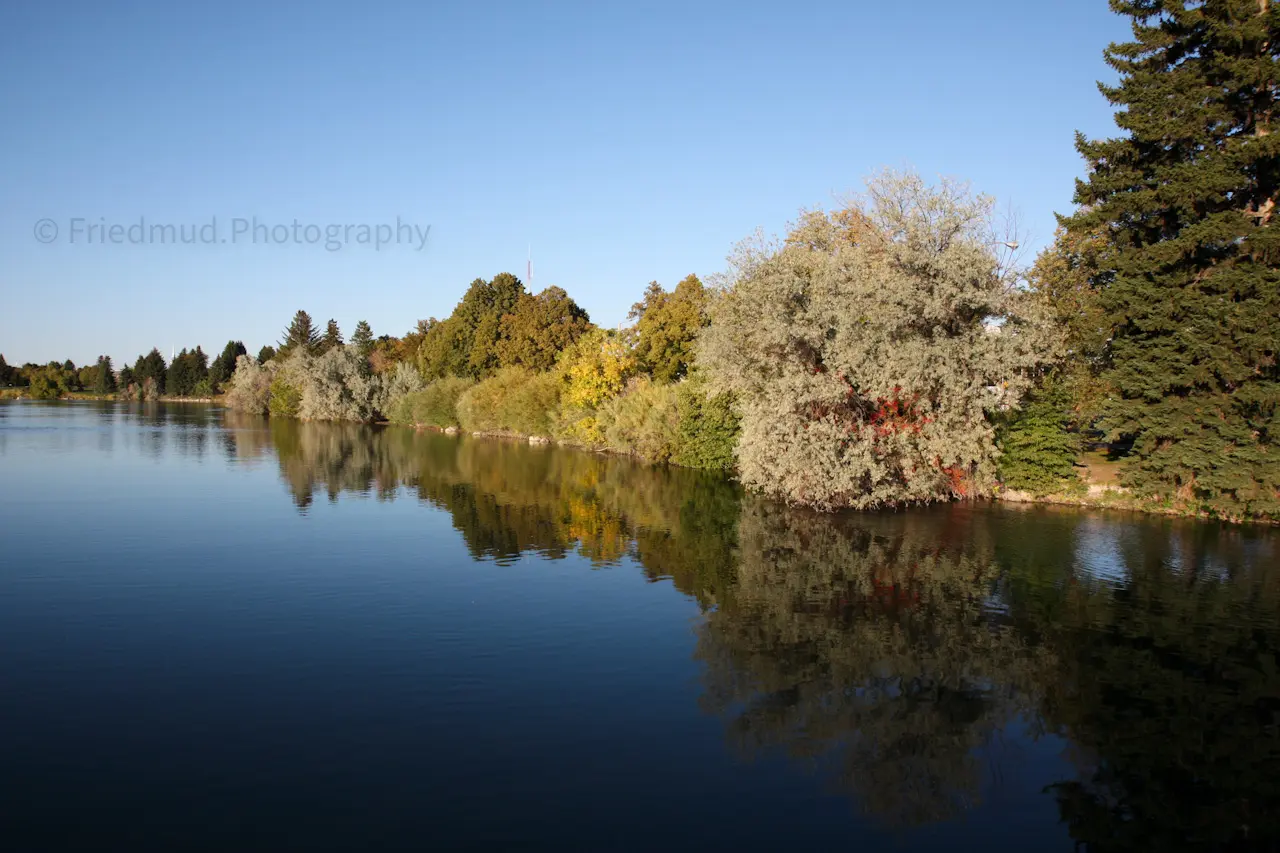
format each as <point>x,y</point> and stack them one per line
<point>626,142</point>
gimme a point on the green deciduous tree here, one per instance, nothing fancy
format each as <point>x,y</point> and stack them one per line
<point>667,324</point>
<point>642,421</point>
<point>868,349</point>
<point>445,349</point>
<point>539,328</point>
<point>707,435</point>
<point>512,400</point>
<point>466,343</point>
<point>1068,278</point>
<point>50,382</point>
<point>1186,197</point>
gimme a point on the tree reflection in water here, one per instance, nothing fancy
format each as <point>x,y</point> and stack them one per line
<point>887,650</point>
<point>871,642</point>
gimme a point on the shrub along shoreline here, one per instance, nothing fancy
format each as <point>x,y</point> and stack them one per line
<point>677,423</point>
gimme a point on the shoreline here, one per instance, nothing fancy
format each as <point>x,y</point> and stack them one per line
<point>102,398</point>
<point>1094,496</point>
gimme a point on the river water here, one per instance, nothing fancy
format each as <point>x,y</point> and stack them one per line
<point>223,633</point>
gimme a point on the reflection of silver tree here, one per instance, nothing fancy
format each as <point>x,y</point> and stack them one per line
<point>868,649</point>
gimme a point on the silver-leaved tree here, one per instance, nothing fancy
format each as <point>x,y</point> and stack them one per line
<point>868,348</point>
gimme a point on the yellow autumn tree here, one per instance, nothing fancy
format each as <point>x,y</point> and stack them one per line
<point>594,370</point>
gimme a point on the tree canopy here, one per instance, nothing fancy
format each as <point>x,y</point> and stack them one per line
<point>868,349</point>
<point>667,324</point>
<point>539,328</point>
<point>300,335</point>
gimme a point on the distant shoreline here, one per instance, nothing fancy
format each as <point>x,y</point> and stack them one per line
<point>6,394</point>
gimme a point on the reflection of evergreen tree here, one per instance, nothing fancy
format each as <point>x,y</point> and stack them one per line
<point>1170,684</point>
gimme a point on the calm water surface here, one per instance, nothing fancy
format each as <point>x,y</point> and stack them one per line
<point>222,633</point>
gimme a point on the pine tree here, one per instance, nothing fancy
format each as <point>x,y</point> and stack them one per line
<point>332,336</point>
<point>363,338</point>
<point>301,334</point>
<point>225,364</point>
<point>105,381</point>
<point>266,354</point>
<point>6,372</point>
<point>179,380</point>
<point>199,365</point>
<point>1187,198</point>
<point>151,366</point>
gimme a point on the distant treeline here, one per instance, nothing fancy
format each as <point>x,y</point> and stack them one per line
<point>190,374</point>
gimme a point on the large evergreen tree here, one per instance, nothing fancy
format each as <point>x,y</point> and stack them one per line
<point>180,377</point>
<point>224,365</point>
<point>151,366</point>
<point>199,363</point>
<point>301,334</point>
<point>362,337</point>
<point>332,337</point>
<point>1187,198</point>
<point>105,378</point>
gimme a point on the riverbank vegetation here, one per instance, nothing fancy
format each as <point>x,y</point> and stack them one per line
<point>888,352</point>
